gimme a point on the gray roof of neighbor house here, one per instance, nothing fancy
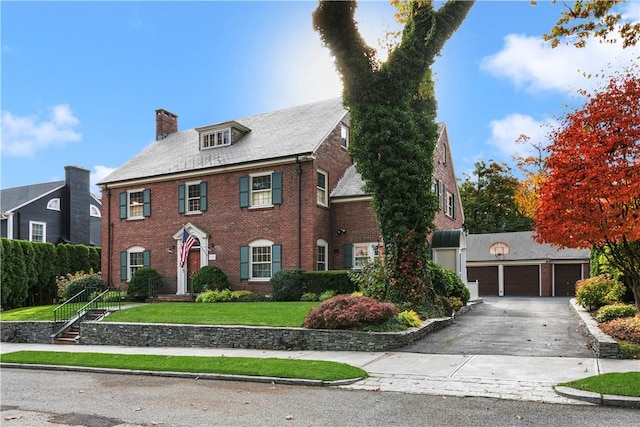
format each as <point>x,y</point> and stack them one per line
<point>289,132</point>
<point>16,197</point>
<point>522,246</point>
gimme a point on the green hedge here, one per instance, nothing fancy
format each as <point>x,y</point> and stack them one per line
<point>290,285</point>
<point>29,270</point>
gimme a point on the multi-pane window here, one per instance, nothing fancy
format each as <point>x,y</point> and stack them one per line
<point>136,262</point>
<point>193,197</point>
<point>261,190</point>
<point>260,262</point>
<point>54,204</point>
<point>450,207</point>
<point>216,139</point>
<point>321,255</point>
<point>364,253</point>
<point>322,188</point>
<point>136,204</point>
<point>344,135</point>
<point>37,231</point>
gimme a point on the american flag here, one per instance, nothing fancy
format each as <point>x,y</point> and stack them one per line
<point>187,242</point>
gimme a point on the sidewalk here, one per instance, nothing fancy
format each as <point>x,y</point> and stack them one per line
<point>502,377</point>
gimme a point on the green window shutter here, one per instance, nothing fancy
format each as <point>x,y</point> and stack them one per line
<point>244,262</point>
<point>181,205</point>
<point>123,265</point>
<point>203,196</point>
<point>123,205</point>
<point>276,188</point>
<point>146,258</point>
<point>244,191</point>
<point>146,200</point>
<point>276,259</point>
<point>347,255</point>
<point>444,198</point>
<point>453,211</point>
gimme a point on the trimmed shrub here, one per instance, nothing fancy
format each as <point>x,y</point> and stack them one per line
<point>287,285</point>
<point>139,284</point>
<point>208,278</point>
<point>347,312</point>
<point>215,295</point>
<point>336,280</point>
<point>14,287</point>
<point>447,283</point>
<point>595,292</point>
<point>309,296</point>
<point>410,318</point>
<point>371,280</point>
<point>625,328</point>
<point>95,282</point>
<point>615,311</point>
<point>326,295</point>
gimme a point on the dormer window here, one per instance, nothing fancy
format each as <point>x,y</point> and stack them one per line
<point>221,134</point>
<point>215,139</point>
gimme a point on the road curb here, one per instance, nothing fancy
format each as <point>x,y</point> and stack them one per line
<point>597,398</point>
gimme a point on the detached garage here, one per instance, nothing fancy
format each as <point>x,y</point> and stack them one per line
<point>514,264</point>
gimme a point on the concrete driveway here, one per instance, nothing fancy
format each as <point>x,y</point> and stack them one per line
<point>510,326</point>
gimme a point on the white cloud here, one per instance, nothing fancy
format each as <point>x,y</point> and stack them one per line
<point>99,172</point>
<point>531,64</point>
<point>505,132</point>
<point>23,136</point>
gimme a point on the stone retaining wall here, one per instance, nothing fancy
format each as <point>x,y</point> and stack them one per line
<point>268,338</point>
<point>26,332</point>
<point>604,346</point>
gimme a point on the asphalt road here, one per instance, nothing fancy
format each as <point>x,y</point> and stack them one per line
<point>511,326</point>
<point>53,398</point>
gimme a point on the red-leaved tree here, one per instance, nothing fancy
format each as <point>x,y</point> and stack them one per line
<point>591,197</point>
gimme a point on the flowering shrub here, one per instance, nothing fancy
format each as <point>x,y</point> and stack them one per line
<point>625,328</point>
<point>346,312</point>
<point>71,284</point>
<point>615,311</point>
<point>594,292</point>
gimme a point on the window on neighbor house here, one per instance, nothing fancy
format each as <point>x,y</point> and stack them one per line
<point>37,231</point>
<point>94,211</point>
<point>344,135</point>
<point>135,204</point>
<point>132,260</point>
<point>321,193</point>
<point>364,253</point>
<point>54,204</point>
<point>321,255</point>
<point>450,205</point>
<point>215,139</point>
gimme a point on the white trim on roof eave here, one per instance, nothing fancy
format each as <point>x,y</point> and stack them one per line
<point>35,198</point>
<point>351,199</point>
<point>207,171</point>
<point>326,135</point>
<point>490,263</point>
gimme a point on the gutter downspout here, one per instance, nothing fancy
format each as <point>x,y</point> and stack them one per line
<point>109,238</point>
<point>299,172</point>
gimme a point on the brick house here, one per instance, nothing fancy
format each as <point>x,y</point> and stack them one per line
<point>55,212</point>
<point>258,194</point>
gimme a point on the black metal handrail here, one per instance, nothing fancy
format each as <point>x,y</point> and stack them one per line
<point>76,306</point>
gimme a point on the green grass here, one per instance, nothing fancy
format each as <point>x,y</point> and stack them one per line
<point>40,312</point>
<point>285,314</point>
<point>250,366</point>
<point>621,384</point>
<point>628,350</point>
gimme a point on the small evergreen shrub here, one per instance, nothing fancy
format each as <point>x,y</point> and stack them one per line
<point>447,283</point>
<point>615,311</point>
<point>347,312</point>
<point>287,285</point>
<point>371,280</point>
<point>410,318</point>
<point>595,292</point>
<point>309,296</point>
<point>139,284</point>
<point>624,328</point>
<point>215,295</point>
<point>209,277</point>
<point>330,293</point>
<point>95,282</point>
<point>320,281</point>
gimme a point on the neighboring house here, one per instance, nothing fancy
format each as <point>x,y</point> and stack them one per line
<point>514,264</point>
<point>258,194</point>
<point>54,212</point>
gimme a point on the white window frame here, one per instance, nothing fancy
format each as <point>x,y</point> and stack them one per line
<point>54,204</point>
<point>254,247</point>
<point>216,138</point>
<point>187,198</point>
<point>44,231</point>
<point>345,134</point>
<point>137,205</point>
<point>322,248</point>
<point>132,268</point>
<point>321,192</point>
<point>94,211</point>
<point>364,253</point>
<point>265,195</point>
<point>449,207</point>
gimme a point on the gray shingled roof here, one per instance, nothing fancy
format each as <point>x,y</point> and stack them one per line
<point>522,247</point>
<point>282,133</point>
<point>12,198</point>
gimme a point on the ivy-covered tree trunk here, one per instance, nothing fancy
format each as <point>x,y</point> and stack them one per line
<point>393,130</point>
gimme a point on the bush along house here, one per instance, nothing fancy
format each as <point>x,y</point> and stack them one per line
<point>255,195</point>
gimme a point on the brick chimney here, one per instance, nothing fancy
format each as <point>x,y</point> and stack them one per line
<point>166,123</point>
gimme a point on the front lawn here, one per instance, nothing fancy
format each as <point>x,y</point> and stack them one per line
<point>621,384</point>
<point>249,366</point>
<point>24,314</point>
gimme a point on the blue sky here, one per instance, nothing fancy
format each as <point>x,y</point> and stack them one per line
<point>81,81</point>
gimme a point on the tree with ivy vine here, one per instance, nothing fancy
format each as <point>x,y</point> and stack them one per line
<point>393,130</point>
